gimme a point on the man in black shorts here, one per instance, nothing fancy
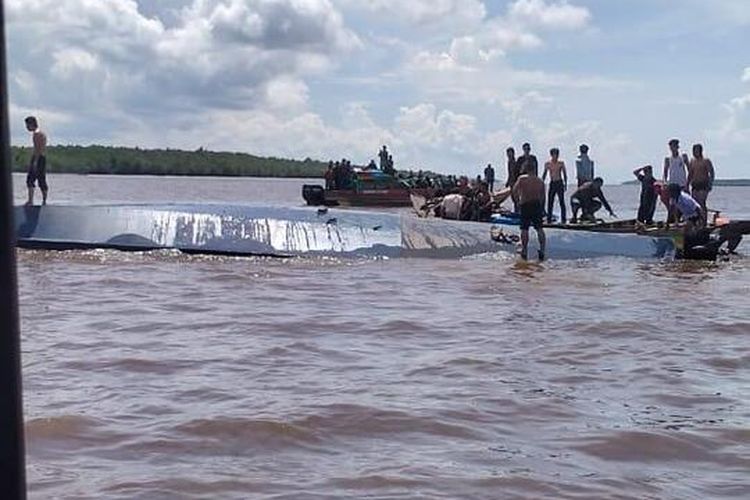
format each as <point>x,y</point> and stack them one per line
<point>38,164</point>
<point>528,193</point>
<point>588,199</point>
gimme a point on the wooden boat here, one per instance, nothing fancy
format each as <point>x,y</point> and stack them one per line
<point>627,238</point>
<point>369,188</point>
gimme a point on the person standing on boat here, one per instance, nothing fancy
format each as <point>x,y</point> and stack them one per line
<point>489,177</point>
<point>675,171</point>
<point>584,166</point>
<point>527,161</point>
<point>329,176</point>
<point>513,173</point>
<point>383,155</point>
<point>38,163</point>
<point>528,193</point>
<point>589,198</point>
<point>647,206</point>
<point>676,166</point>
<point>700,177</point>
<point>558,179</point>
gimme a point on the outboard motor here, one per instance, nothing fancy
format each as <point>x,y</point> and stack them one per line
<point>314,194</point>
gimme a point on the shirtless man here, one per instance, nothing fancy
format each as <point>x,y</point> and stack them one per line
<point>38,163</point>
<point>558,179</point>
<point>528,193</point>
<point>589,198</point>
<point>700,177</point>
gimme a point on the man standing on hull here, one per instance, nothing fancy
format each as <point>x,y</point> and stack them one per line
<point>584,166</point>
<point>528,193</point>
<point>38,164</point>
<point>700,177</point>
<point>558,180</point>
<point>527,162</point>
<point>489,177</point>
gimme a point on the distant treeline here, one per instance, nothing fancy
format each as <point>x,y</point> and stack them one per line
<point>136,161</point>
<point>717,182</point>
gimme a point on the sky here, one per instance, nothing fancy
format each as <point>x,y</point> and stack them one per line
<point>448,85</point>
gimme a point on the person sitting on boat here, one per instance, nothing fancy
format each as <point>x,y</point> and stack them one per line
<point>528,193</point>
<point>589,198</point>
<point>647,206</point>
<point>481,203</point>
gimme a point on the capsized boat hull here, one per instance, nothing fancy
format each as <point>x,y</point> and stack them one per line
<point>245,230</point>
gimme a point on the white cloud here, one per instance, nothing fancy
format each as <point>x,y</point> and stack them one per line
<point>746,75</point>
<point>454,14</point>
<point>736,126</point>
<point>287,94</point>
<point>218,54</point>
<point>482,52</point>
<point>554,15</point>
<point>72,62</point>
<point>424,125</point>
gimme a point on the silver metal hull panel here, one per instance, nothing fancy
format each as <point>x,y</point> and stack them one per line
<point>252,230</point>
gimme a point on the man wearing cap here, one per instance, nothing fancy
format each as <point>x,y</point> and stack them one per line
<point>584,166</point>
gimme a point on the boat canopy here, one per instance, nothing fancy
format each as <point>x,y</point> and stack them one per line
<point>366,179</point>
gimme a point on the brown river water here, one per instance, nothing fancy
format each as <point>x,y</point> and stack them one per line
<point>160,376</point>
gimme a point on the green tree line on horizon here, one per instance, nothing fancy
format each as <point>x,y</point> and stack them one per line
<point>136,161</point>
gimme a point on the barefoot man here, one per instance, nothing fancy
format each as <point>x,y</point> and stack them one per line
<point>38,163</point>
<point>528,193</point>
<point>700,177</point>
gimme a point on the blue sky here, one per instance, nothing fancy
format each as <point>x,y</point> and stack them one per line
<point>447,84</point>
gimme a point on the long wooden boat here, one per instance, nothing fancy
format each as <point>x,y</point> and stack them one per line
<point>365,188</point>
<point>386,198</point>
<point>626,238</point>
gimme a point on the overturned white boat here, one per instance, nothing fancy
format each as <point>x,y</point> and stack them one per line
<point>246,230</point>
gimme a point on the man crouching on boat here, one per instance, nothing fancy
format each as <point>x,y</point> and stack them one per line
<point>528,194</point>
<point>589,198</point>
<point>687,207</point>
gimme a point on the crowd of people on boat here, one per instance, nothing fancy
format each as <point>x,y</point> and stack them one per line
<point>694,177</point>
<point>683,189</point>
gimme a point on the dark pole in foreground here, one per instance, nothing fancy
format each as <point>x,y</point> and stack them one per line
<point>12,463</point>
